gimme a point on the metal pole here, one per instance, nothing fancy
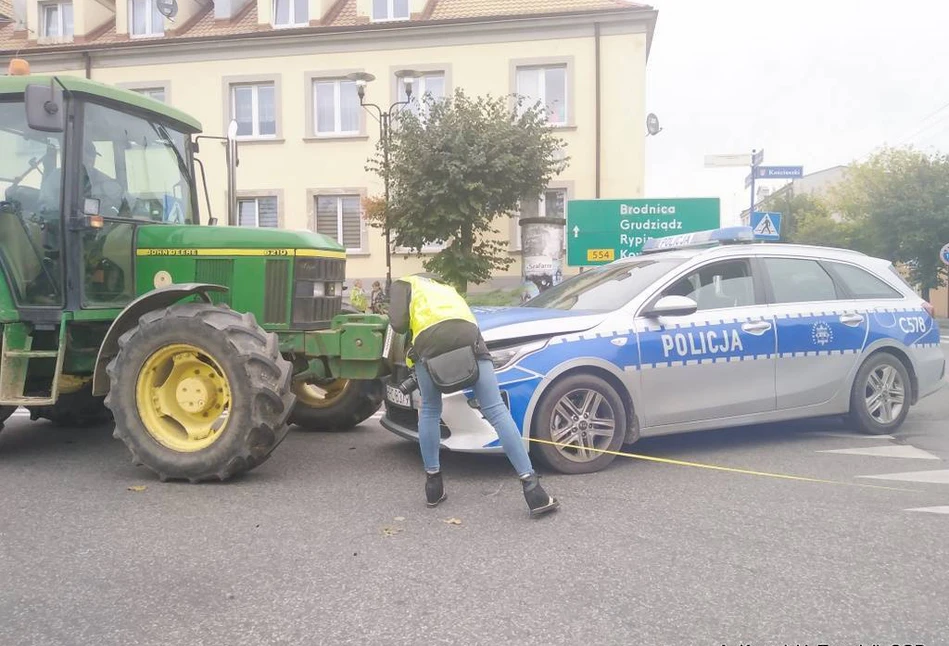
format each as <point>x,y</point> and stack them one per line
<point>751,212</point>
<point>385,162</point>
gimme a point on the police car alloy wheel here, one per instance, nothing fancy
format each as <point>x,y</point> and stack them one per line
<point>584,416</point>
<point>881,395</point>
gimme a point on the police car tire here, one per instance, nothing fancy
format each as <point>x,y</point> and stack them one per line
<point>550,455</point>
<point>859,416</point>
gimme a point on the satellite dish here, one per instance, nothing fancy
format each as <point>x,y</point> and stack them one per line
<point>652,124</point>
<point>167,8</point>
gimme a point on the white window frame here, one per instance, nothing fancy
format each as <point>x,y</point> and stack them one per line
<point>419,89</point>
<point>390,11</point>
<point>255,108</point>
<point>293,22</point>
<point>256,200</point>
<point>150,29</point>
<point>339,197</point>
<point>337,130</point>
<point>150,91</point>
<point>542,212</point>
<point>541,71</point>
<point>60,22</point>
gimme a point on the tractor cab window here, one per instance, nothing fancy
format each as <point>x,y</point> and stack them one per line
<point>133,171</point>
<point>30,208</point>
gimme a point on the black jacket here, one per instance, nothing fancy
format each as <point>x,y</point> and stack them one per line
<point>438,339</point>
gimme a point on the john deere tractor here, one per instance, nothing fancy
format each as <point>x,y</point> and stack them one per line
<point>204,342</point>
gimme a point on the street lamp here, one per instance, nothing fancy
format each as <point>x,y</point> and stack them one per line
<point>385,117</point>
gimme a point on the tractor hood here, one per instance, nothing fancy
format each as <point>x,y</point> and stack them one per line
<point>508,323</point>
<point>171,237</point>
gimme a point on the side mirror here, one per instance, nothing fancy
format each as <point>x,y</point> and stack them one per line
<point>672,306</point>
<point>44,108</point>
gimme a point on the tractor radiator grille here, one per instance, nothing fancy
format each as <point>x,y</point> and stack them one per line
<point>277,278</point>
<point>317,291</point>
<point>216,272</point>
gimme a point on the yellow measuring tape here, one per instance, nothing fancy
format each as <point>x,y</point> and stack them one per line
<point>715,467</point>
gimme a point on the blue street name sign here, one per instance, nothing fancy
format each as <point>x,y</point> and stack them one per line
<point>779,172</point>
<point>766,225</point>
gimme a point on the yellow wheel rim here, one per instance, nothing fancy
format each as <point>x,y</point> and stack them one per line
<point>183,398</point>
<point>322,395</point>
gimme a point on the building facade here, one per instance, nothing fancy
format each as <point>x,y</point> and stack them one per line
<point>278,68</point>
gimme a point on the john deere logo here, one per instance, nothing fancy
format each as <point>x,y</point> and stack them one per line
<point>822,334</point>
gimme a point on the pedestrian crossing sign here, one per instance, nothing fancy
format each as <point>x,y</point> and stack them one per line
<point>766,225</point>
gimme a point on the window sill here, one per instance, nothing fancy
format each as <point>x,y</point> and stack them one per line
<point>412,252</point>
<point>257,140</point>
<point>313,138</point>
<point>357,253</point>
<point>563,126</point>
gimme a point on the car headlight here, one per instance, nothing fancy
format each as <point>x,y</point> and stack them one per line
<point>503,357</point>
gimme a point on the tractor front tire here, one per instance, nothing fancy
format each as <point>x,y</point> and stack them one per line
<point>342,404</point>
<point>199,392</point>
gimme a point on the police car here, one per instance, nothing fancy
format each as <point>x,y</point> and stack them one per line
<point>700,331</point>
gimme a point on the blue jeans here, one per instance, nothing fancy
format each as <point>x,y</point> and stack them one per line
<point>488,394</point>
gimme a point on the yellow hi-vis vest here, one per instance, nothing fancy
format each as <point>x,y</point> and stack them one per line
<point>433,303</point>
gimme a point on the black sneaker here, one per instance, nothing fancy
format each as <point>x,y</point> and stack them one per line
<point>538,500</point>
<point>434,489</point>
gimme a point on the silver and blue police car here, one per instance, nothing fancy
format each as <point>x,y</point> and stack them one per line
<point>700,331</point>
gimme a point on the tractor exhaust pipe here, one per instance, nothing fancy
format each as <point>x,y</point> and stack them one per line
<point>232,163</point>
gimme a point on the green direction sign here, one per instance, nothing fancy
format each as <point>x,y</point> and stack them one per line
<point>600,231</point>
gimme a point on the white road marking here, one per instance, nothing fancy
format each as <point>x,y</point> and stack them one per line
<point>936,477</point>
<point>931,510</point>
<point>852,436</point>
<point>890,451</point>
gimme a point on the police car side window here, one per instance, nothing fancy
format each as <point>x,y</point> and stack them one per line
<point>862,284</point>
<point>718,285</point>
<point>799,280</point>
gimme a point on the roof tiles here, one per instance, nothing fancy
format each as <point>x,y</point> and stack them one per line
<point>342,14</point>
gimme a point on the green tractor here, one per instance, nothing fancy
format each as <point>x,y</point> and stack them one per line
<point>204,343</point>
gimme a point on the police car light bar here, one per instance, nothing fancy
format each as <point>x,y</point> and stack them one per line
<point>710,238</point>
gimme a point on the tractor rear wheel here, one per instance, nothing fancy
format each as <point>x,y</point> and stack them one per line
<point>199,392</point>
<point>335,406</point>
<point>5,412</point>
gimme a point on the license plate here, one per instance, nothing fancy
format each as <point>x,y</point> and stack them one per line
<point>397,397</point>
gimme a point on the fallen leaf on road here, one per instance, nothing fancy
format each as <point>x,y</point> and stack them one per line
<point>391,531</point>
<point>452,521</point>
<point>138,488</point>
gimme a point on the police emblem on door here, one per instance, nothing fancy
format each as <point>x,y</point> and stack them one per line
<point>822,334</point>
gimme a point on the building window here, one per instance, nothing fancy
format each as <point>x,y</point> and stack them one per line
<point>144,18</point>
<point>255,109</point>
<point>390,9</point>
<point>258,212</point>
<point>340,218</point>
<point>337,107</point>
<point>157,93</point>
<point>289,13</point>
<point>432,83</point>
<point>547,85</point>
<point>57,20</point>
<point>552,204</point>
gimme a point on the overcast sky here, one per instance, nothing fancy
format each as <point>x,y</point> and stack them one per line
<point>814,82</point>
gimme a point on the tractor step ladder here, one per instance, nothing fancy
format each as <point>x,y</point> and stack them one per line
<point>15,357</point>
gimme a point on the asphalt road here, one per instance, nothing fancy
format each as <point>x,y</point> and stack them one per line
<point>329,542</point>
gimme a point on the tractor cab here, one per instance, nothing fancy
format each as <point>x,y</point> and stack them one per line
<point>82,168</point>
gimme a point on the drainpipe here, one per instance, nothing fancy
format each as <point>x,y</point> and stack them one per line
<point>596,41</point>
<point>88,58</point>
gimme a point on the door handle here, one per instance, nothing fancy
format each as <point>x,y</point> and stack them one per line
<point>853,320</point>
<point>756,327</point>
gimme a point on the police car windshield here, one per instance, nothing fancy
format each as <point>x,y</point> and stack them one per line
<point>605,288</point>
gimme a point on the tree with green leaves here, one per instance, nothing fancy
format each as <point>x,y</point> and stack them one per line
<point>896,205</point>
<point>456,166</point>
